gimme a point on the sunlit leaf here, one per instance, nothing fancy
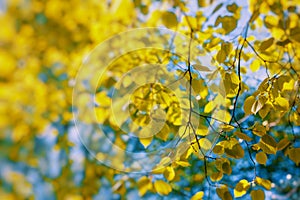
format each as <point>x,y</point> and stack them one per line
<point>162,187</point>
<point>241,188</point>
<point>169,173</point>
<point>144,184</point>
<point>198,196</point>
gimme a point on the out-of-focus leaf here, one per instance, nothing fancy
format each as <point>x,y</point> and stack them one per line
<point>162,187</point>
<point>228,23</point>
<point>283,144</point>
<point>257,195</point>
<point>198,196</point>
<point>266,44</point>
<point>169,19</point>
<point>294,155</point>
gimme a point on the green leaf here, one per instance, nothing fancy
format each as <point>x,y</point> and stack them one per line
<point>257,195</point>
<point>268,144</point>
<point>266,44</point>
<point>169,19</point>
<point>261,158</point>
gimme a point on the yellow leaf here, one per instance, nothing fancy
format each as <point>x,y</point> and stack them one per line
<point>248,104</point>
<point>255,65</point>
<point>227,127</point>
<point>216,176</point>
<point>295,34</point>
<point>218,149</point>
<point>268,144</point>
<point>163,134</point>
<point>259,129</point>
<point>294,155</point>
<point>169,19</point>
<point>261,158</point>
<point>144,184</point>
<point>282,103</point>
<point>198,196</point>
<point>202,130</point>
<point>228,23</point>
<point>257,195</point>
<point>162,187</point>
<point>236,151</point>
<point>257,105</point>
<point>265,110</point>
<point>226,168</point>
<point>146,141</point>
<point>183,163</point>
<point>209,107</point>
<point>263,182</point>
<point>169,173</point>
<point>232,7</point>
<point>283,144</point>
<point>223,193</point>
<point>243,136</point>
<point>200,67</point>
<point>205,144</point>
<point>221,56</point>
<point>241,188</point>
<point>266,44</point>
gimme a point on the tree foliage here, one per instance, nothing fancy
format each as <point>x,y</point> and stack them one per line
<point>238,137</point>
